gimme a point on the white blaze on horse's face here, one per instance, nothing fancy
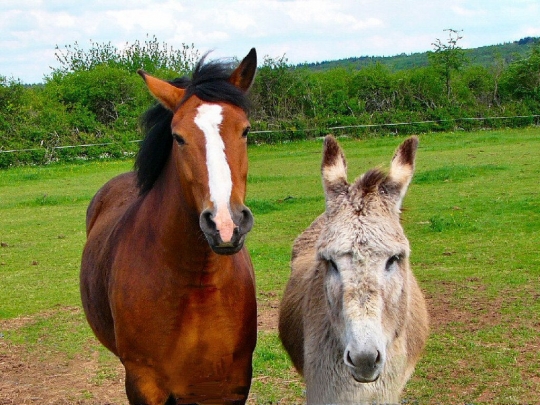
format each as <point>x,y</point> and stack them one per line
<point>208,119</point>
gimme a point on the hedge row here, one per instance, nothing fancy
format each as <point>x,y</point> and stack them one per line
<point>97,101</point>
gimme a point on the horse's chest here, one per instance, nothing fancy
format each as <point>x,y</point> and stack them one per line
<point>196,334</point>
<point>206,314</point>
<point>178,322</point>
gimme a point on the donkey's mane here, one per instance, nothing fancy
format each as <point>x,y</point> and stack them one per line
<point>373,183</point>
<point>209,82</point>
<point>370,181</point>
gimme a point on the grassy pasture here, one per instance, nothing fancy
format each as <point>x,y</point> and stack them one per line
<point>472,215</point>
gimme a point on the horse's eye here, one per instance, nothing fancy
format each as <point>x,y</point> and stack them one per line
<point>246,132</point>
<point>179,140</point>
<point>390,263</point>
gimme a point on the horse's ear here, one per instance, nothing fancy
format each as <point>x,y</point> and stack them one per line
<point>242,77</point>
<point>402,168</point>
<point>168,95</point>
<point>333,169</point>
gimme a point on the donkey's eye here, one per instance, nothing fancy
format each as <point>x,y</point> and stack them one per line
<point>246,132</point>
<point>332,266</point>
<point>179,140</point>
<point>391,263</point>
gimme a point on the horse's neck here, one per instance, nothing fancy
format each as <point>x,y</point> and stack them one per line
<point>175,222</point>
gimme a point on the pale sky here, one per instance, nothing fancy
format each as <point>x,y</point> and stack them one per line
<point>302,30</point>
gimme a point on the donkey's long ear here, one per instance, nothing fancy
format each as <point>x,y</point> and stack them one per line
<point>168,95</point>
<point>242,77</point>
<point>402,169</point>
<point>333,169</point>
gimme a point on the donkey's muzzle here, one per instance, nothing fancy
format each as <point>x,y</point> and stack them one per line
<point>243,222</point>
<point>365,363</point>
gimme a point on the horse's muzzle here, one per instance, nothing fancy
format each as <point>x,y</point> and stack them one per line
<point>242,218</point>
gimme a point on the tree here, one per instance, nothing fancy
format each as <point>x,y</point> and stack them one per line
<point>448,57</point>
<point>275,93</point>
<point>375,87</point>
<point>11,100</point>
<point>151,56</point>
<point>521,80</point>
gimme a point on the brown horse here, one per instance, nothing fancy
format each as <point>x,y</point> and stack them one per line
<point>353,318</point>
<point>166,282</point>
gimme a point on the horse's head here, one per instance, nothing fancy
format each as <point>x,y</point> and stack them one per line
<point>363,255</point>
<point>209,130</point>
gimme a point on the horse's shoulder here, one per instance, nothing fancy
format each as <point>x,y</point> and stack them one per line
<point>113,198</point>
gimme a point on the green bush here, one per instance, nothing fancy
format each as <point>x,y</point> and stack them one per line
<point>376,87</point>
<point>96,98</point>
<point>151,56</point>
<point>92,103</point>
<point>521,81</point>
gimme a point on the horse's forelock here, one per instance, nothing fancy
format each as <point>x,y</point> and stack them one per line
<point>210,83</point>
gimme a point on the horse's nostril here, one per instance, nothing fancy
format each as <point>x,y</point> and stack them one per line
<point>246,222</point>
<point>207,223</point>
<point>208,226</point>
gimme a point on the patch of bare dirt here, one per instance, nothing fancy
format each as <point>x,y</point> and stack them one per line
<point>268,312</point>
<point>52,378</point>
<point>36,378</point>
<point>463,307</point>
<point>55,381</point>
<point>31,378</point>
<point>456,309</point>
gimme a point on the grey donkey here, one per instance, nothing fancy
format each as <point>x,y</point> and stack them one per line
<point>353,318</point>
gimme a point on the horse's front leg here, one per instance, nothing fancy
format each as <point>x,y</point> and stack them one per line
<point>143,386</point>
<point>239,379</point>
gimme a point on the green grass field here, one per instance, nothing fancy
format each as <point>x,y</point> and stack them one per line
<point>472,216</point>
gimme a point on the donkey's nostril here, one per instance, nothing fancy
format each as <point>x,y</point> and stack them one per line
<point>378,360</point>
<point>348,359</point>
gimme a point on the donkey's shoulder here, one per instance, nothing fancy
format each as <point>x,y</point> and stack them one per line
<point>307,240</point>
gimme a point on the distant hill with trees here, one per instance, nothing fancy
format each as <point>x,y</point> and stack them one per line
<point>485,56</point>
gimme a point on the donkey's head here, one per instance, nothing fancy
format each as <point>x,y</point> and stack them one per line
<point>363,254</point>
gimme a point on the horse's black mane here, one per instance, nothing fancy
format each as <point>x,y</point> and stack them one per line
<point>210,83</point>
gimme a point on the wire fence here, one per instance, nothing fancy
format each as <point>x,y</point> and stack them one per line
<point>65,146</point>
<point>304,130</point>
